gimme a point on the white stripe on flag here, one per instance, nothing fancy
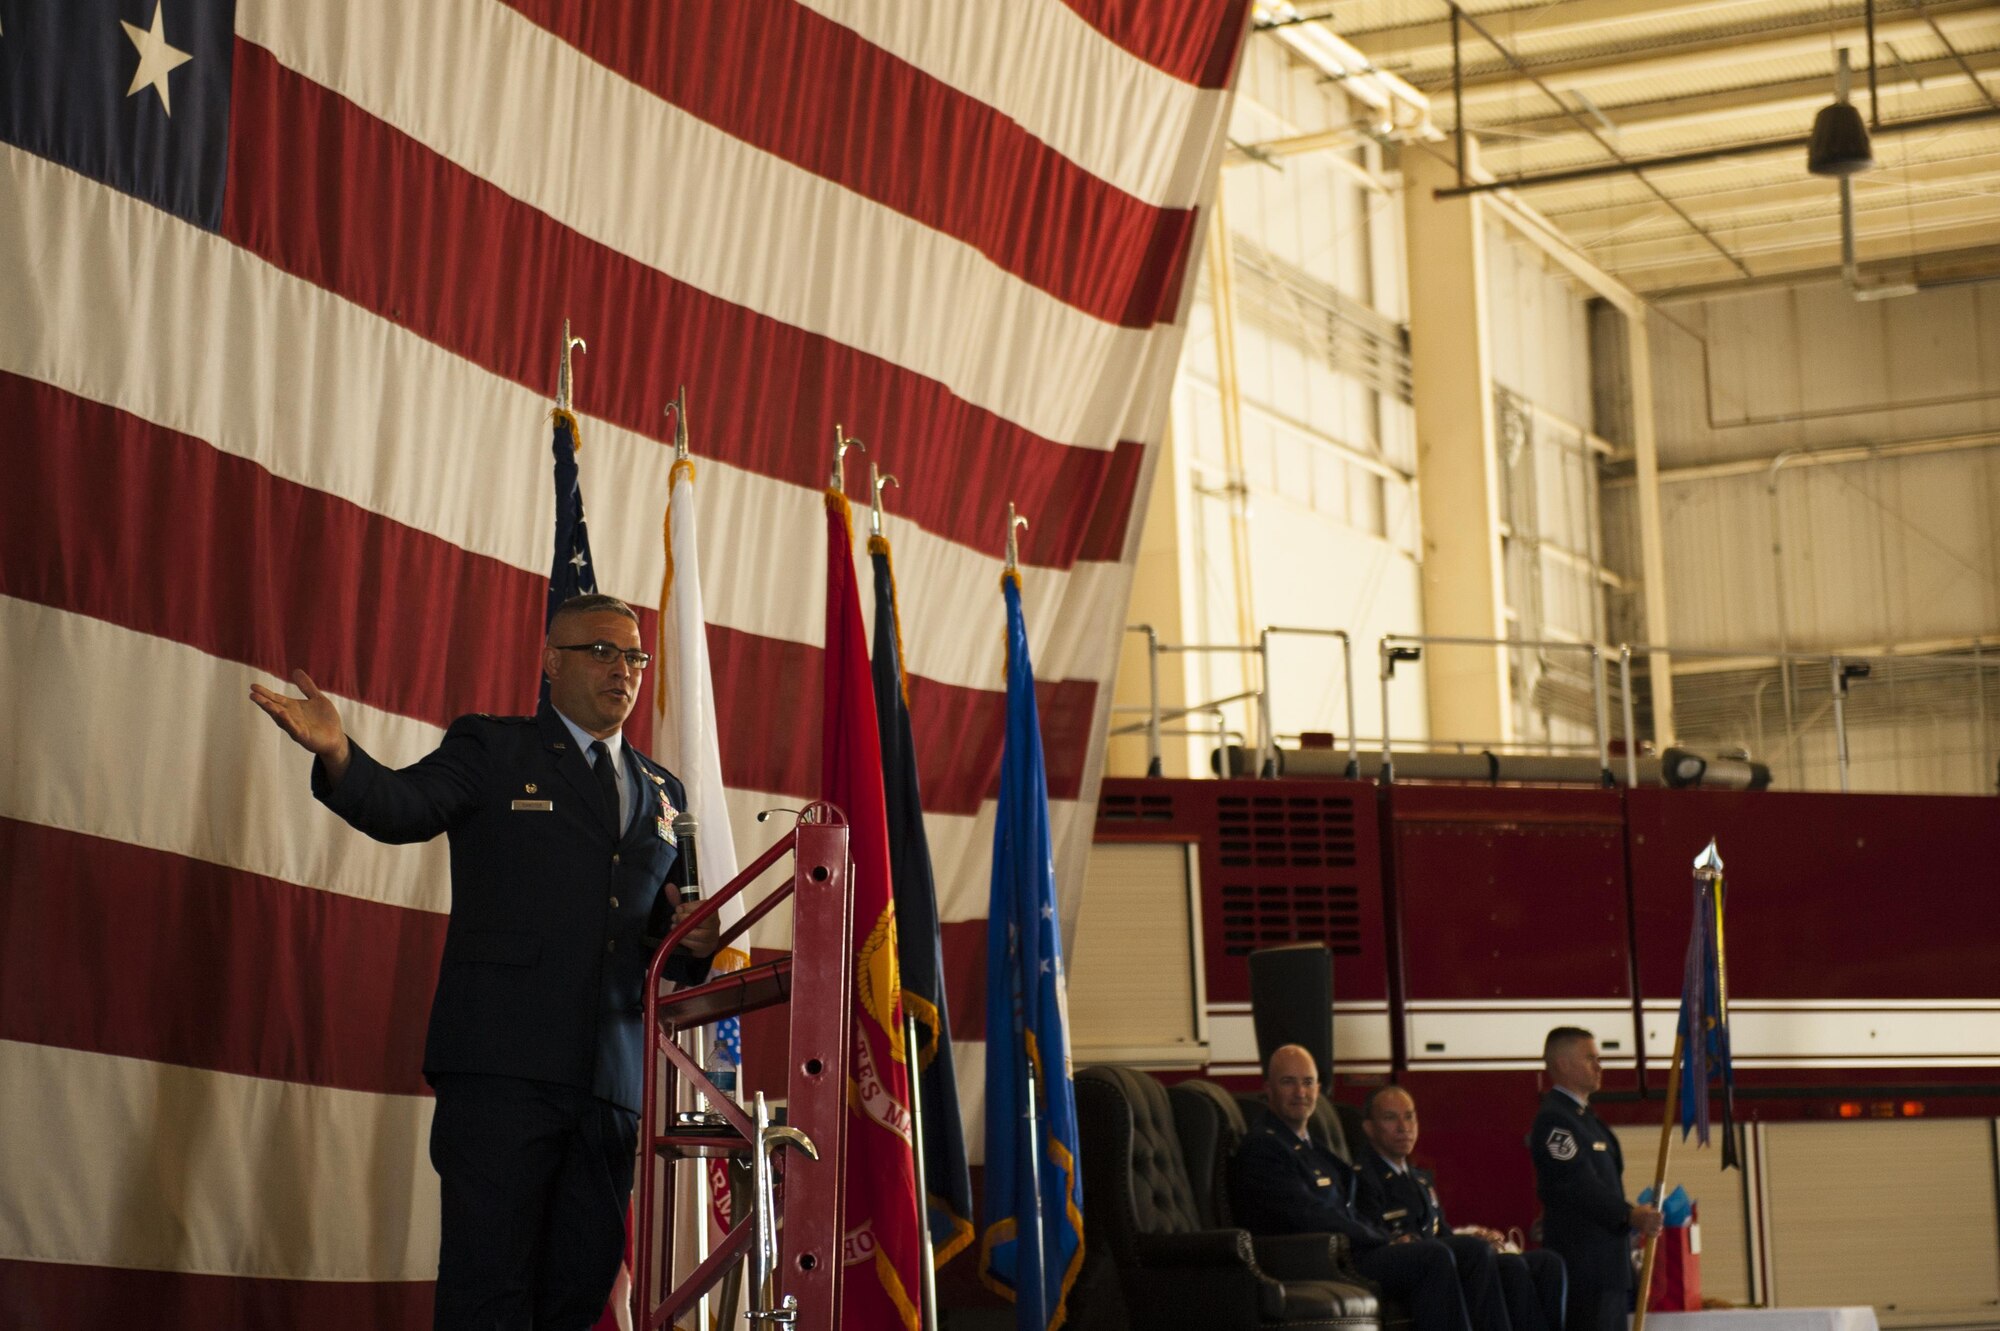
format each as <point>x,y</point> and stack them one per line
<point>237,794</point>
<point>514,104</point>
<point>1069,85</point>
<point>123,1162</point>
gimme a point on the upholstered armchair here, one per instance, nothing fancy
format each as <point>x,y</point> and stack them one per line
<point>1177,1267</point>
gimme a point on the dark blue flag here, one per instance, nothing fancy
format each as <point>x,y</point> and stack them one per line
<point>134,93</point>
<point>571,572</point>
<point>1704,1019</point>
<point>1033,1245</point>
<point>920,952</point>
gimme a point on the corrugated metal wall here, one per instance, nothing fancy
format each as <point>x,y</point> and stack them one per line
<point>1892,550</point>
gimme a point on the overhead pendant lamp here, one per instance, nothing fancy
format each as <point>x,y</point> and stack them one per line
<point>1839,143</point>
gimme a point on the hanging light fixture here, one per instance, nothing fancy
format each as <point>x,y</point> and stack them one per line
<point>1839,144</point>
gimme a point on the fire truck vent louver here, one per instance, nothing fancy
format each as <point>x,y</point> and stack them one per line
<point>1269,847</point>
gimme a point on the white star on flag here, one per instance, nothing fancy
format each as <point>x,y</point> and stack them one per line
<point>578,559</point>
<point>156,58</point>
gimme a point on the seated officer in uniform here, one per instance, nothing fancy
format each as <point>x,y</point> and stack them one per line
<point>1580,1177</point>
<point>1280,1182</point>
<point>1403,1200</point>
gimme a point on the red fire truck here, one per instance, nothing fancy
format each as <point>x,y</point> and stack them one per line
<point>1863,940</point>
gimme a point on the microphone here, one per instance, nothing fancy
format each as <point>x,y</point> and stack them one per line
<point>685,827</point>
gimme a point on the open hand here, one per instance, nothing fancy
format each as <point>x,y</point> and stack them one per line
<point>312,721</point>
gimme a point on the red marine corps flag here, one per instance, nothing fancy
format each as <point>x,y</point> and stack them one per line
<point>881,1252</point>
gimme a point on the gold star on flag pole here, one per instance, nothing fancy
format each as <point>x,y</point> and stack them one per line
<point>156,58</point>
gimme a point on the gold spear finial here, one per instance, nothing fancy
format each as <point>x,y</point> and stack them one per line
<point>565,382</point>
<point>842,441</point>
<point>876,480</point>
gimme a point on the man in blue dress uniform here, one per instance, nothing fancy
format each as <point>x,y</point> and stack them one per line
<point>1403,1199</point>
<point>562,851</point>
<point>1580,1177</point>
<point>1282,1182</point>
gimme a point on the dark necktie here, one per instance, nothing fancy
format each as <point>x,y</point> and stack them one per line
<point>607,782</point>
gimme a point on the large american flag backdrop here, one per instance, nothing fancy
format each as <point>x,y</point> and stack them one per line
<point>281,287</point>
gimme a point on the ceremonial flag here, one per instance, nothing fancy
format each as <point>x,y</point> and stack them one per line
<point>685,739</point>
<point>920,949</point>
<point>571,572</point>
<point>1033,1247</point>
<point>881,1249</point>
<point>1704,1019</point>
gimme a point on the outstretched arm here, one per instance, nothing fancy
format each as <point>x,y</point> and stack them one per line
<point>312,721</point>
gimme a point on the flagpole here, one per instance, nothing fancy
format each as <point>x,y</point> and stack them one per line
<point>930,1317</point>
<point>1660,1180</point>
<point>876,483</point>
<point>1033,1114</point>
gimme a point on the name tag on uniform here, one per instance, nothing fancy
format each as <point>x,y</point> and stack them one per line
<point>1396,1215</point>
<point>1599,1146</point>
<point>534,806</point>
<point>1322,1183</point>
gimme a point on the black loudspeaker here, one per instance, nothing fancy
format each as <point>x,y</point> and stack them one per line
<point>1291,1002</point>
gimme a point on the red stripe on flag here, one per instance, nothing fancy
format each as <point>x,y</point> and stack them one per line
<point>768,714</point>
<point>112,516</point>
<point>1195,43</point>
<point>435,248</point>
<point>964,943</point>
<point>50,1296</point>
<point>1034,212</point>
<point>407,622</point>
<point>176,960</point>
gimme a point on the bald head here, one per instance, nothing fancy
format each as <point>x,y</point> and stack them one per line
<point>1291,1086</point>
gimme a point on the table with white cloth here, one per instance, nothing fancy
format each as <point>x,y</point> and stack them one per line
<point>1767,1319</point>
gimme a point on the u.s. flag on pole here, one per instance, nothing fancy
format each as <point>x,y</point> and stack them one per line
<point>281,288</point>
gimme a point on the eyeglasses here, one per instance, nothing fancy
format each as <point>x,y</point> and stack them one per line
<point>604,653</point>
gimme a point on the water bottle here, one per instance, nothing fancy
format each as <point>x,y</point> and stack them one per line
<point>720,1071</point>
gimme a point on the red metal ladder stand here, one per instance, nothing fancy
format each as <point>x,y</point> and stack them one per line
<point>816,980</point>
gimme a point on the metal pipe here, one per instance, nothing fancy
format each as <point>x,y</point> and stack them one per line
<point>1598,705</point>
<point>1783,615</point>
<point>1634,165</point>
<point>1601,714</point>
<point>1388,762</point>
<point>1153,767</point>
<point>1978,84</point>
<point>1839,718</point>
<point>1874,102</point>
<point>1213,707</point>
<point>1347,679</point>
<point>1267,747</point>
<point>1631,725</point>
<point>1457,97</point>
